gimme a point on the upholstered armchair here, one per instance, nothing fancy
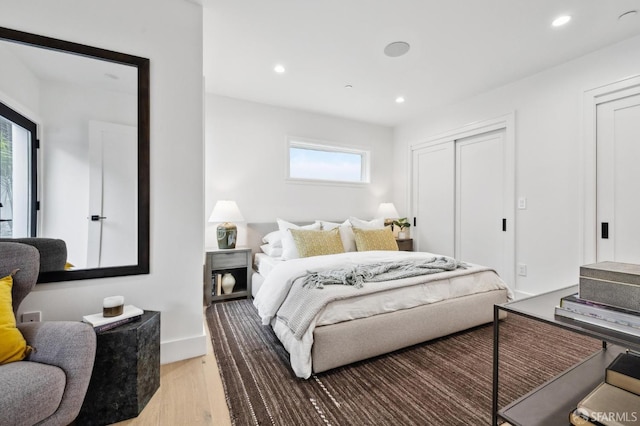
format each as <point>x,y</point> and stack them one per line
<point>49,386</point>
<point>53,251</point>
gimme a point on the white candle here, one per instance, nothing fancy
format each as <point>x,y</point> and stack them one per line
<point>113,301</point>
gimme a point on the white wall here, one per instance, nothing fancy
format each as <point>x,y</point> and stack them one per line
<point>19,87</point>
<point>169,33</point>
<point>548,109</point>
<point>246,155</point>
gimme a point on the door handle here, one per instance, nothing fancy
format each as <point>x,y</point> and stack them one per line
<point>96,217</point>
<point>604,231</point>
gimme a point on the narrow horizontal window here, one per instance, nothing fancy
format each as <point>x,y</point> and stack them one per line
<point>318,162</point>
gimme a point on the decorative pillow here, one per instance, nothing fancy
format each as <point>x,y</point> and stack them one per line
<point>346,233</point>
<point>377,223</point>
<point>274,238</point>
<point>270,250</point>
<point>317,243</point>
<point>13,347</point>
<point>375,239</point>
<point>289,250</point>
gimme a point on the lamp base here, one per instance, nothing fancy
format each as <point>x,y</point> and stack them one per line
<point>227,233</point>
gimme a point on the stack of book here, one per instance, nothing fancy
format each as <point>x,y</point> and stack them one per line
<point>616,401</point>
<point>609,297</point>
<point>618,319</point>
<point>101,323</point>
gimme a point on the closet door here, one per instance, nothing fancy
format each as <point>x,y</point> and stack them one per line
<point>433,198</point>
<point>480,234</point>
<point>112,213</point>
<point>618,180</point>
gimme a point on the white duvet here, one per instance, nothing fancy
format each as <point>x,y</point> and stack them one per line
<point>409,293</point>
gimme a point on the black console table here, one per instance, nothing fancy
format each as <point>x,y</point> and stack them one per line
<point>126,372</point>
<point>550,404</point>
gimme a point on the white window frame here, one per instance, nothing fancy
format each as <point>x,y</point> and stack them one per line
<point>303,143</point>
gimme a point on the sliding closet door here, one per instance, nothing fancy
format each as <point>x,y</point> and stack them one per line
<point>618,180</point>
<point>480,233</point>
<point>433,198</point>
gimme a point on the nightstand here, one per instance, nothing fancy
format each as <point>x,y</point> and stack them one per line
<point>405,244</point>
<point>219,262</point>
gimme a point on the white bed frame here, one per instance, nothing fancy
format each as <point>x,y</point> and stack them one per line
<point>358,339</point>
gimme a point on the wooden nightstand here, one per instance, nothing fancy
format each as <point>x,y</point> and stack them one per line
<point>236,262</point>
<point>405,244</point>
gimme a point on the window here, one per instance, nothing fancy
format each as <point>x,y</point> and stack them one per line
<point>318,162</point>
<point>17,175</point>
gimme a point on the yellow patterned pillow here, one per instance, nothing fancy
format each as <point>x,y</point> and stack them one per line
<point>13,347</point>
<point>317,243</point>
<point>375,239</point>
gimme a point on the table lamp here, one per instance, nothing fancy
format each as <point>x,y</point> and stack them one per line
<point>388,212</point>
<point>225,212</point>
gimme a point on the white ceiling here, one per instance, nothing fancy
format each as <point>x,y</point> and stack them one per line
<point>458,48</point>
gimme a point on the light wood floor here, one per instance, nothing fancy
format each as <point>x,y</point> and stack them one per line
<point>190,393</point>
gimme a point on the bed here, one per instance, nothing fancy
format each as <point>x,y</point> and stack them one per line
<point>343,324</point>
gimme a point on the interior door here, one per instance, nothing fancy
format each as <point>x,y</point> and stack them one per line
<point>433,198</point>
<point>480,232</point>
<point>112,214</point>
<point>618,180</point>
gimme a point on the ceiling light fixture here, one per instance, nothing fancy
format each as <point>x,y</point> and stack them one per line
<point>397,48</point>
<point>399,99</point>
<point>561,20</point>
<point>279,69</point>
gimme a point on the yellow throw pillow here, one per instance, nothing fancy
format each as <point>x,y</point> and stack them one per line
<point>13,347</point>
<point>375,239</point>
<point>317,243</point>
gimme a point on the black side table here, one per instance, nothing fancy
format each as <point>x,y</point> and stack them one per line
<point>126,372</point>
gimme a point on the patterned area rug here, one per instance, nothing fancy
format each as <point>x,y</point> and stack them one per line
<point>446,381</point>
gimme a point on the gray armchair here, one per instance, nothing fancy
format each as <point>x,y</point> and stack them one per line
<point>49,386</point>
<point>53,251</point>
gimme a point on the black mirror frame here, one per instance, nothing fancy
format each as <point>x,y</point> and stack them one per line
<point>142,65</point>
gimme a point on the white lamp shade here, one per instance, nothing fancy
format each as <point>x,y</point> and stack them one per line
<point>388,211</point>
<point>226,211</point>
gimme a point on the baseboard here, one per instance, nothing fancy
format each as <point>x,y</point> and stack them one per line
<point>177,350</point>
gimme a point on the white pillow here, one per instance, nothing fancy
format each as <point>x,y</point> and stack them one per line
<point>289,249</point>
<point>270,250</point>
<point>377,223</point>
<point>274,238</point>
<point>346,233</point>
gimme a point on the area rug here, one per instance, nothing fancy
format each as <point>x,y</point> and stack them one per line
<point>447,381</point>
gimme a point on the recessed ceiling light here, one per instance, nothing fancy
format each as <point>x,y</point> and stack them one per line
<point>628,14</point>
<point>279,69</point>
<point>397,48</point>
<point>399,99</point>
<point>561,20</point>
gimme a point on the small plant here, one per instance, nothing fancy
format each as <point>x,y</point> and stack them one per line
<point>402,223</point>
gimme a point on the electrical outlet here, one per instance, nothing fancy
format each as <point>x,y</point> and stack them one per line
<point>522,269</point>
<point>31,316</point>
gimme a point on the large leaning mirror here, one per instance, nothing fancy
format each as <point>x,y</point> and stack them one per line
<point>74,156</point>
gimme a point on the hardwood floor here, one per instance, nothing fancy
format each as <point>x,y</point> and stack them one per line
<point>190,393</point>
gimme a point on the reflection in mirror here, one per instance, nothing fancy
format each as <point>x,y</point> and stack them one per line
<point>88,183</point>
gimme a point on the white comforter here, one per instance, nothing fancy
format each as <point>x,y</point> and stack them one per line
<point>422,290</point>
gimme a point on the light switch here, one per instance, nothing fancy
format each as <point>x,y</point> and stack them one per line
<point>522,203</point>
